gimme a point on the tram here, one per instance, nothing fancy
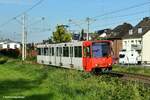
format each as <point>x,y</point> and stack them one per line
<point>80,55</point>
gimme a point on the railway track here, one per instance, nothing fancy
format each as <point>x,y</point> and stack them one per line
<point>131,76</point>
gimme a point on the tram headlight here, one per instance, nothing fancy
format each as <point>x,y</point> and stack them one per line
<point>96,65</point>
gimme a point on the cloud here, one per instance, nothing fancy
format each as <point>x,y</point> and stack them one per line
<point>17,2</point>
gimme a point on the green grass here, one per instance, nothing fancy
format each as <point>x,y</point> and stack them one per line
<point>133,69</point>
<point>38,82</point>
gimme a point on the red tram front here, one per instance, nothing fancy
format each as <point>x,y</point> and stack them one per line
<point>97,55</point>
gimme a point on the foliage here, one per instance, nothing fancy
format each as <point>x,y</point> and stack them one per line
<point>102,38</point>
<point>49,40</point>
<point>31,58</point>
<point>30,46</point>
<point>133,69</point>
<point>3,60</point>
<point>61,34</point>
<point>14,53</point>
<point>38,82</point>
<point>82,35</point>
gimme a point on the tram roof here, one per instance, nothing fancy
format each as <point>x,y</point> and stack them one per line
<point>74,43</point>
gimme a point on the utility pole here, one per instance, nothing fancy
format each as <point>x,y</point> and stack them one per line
<point>25,53</point>
<point>88,25</point>
<point>88,20</point>
<point>23,34</point>
<point>24,37</point>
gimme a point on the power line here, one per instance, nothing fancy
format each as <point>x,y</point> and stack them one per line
<point>118,22</point>
<point>38,21</point>
<point>123,9</point>
<point>130,14</point>
<point>13,18</point>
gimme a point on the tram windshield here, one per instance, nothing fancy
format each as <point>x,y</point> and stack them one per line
<point>100,49</point>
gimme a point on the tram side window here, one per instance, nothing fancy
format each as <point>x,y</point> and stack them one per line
<point>87,52</point>
<point>78,51</point>
<point>49,51</point>
<point>71,51</point>
<point>60,51</point>
<point>66,51</point>
<point>52,49</point>
<point>45,51</point>
<point>57,51</point>
<point>39,51</point>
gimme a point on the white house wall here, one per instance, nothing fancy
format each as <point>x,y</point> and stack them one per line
<point>128,42</point>
<point>146,47</point>
<point>4,45</point>
<point>12,45</point>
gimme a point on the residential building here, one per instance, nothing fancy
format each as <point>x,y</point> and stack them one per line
<point>8,44</point>
<point>138,39</point>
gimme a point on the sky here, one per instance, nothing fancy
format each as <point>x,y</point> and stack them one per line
<point>43,19</point>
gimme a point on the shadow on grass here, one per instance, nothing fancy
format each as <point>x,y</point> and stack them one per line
<point>40,97</point>
<point>16,86</point>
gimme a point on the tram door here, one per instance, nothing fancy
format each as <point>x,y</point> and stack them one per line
<point>59,56</point>
<point>87,58</point>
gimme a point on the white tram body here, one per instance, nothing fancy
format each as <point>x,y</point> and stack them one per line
<point>67,55</point>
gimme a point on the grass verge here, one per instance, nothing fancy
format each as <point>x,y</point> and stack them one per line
<point>38,82</point>
<point>133,69</point>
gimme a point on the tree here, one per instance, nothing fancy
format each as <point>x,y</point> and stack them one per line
<point>49,41</point>
<point>61,34</point>
<point>82,35</point>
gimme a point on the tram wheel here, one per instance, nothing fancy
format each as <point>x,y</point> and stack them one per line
<point>97,71</point>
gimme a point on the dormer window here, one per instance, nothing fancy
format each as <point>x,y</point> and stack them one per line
<point>139,30</point>
<point>8,46</point>
<point>1,46</point>
<point>130,32</point>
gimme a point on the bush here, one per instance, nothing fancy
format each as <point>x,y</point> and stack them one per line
<point>31,58</point>
<point>14,53</point>
<point>3,60</point>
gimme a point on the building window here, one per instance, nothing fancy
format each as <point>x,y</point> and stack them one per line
<point>15,46</point>
<point>8,46</point>
<point>132,41</point>
<point>78,51</point>
<point>130,32</point>
<point>1,46</point>
<point>140,42</point>
<point>139,30</point>
<point>125,42</point>
<point>136,41</point>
